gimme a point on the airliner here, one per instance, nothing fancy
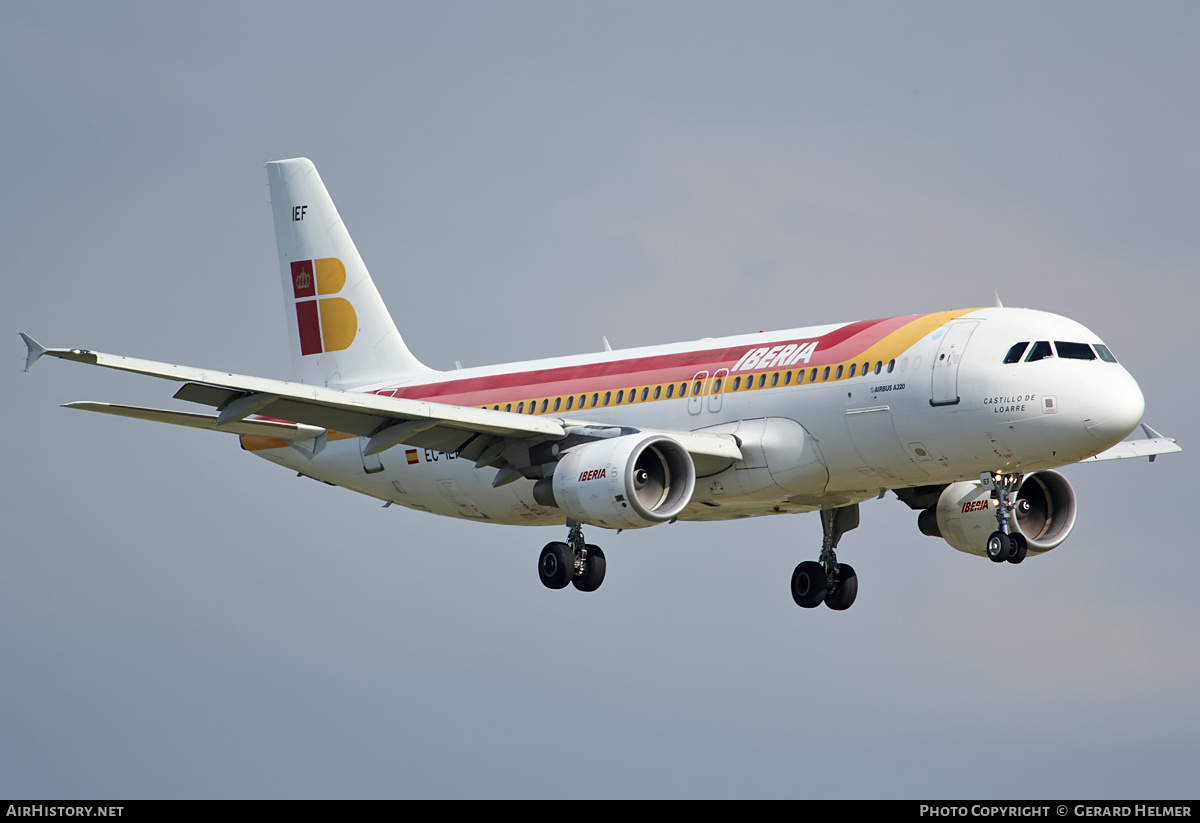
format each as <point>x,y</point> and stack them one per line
<point>963,415</point>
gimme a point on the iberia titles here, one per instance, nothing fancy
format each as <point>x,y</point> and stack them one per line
<point>776,357</point>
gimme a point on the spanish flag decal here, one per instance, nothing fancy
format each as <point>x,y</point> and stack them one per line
<point>326,323</point>
<point>411,454</point>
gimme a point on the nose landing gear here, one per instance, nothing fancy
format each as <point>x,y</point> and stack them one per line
<point>1004,544</point>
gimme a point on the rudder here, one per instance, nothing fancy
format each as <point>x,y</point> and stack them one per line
<point>340,331</point>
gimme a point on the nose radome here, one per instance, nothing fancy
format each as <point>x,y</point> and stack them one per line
<point>1111,406</point>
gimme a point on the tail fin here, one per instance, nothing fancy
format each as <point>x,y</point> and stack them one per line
<point>341,333</point>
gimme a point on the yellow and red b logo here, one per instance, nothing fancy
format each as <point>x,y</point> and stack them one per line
<point>329,323</point>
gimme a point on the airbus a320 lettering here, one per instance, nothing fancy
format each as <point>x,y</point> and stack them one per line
<point>963,414</point>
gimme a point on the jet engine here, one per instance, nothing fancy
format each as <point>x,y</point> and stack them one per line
<point>965,514</point>
<point>624,482</point>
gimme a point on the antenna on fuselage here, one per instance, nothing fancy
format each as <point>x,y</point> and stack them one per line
<point>999,305</point>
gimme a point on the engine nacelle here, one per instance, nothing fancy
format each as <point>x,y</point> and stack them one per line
<point>624,482</point>
<point>965,515</point>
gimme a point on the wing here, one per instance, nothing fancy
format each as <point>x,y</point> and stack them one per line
<point>298,411</point>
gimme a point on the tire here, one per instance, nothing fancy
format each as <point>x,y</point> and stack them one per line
<point>999,547</point>
<point>845,590</point>
<point>1020,548</point>
<point>808,584</point>
<point>556,566</point>
<point>593,570</point>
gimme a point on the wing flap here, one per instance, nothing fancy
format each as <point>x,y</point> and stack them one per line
<point>265,428</point>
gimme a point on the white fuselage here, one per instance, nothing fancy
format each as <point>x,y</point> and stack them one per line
<point>936,403</point>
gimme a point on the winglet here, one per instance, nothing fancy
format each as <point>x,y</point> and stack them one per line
<point>35,348</point>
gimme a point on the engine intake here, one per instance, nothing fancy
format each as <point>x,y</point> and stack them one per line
<point>624,482</point>
<point>965,515</point>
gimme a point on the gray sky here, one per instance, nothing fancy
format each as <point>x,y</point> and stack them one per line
<point>179,619</point>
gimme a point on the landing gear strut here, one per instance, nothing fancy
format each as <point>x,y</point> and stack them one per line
<point>827,580</point>
<point>575,562</point>
<point>1005,543</point>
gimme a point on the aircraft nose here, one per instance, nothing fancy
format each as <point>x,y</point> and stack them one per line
<point>1111,406</point>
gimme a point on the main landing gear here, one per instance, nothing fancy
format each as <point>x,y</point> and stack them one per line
<point>1005,543</point>
<point>828,581</point>
<point>574,562</point>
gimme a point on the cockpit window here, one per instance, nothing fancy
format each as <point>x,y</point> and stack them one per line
<point>1040,351</point>
<point>1014,354</point>
<point>1105,354</point>
<point>1074,351</point>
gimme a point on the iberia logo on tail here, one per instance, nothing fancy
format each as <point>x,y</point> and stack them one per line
<point>326,323</point>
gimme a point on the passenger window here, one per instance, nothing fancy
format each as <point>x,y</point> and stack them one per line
<point>839,373</point>
<point>717,386</point>
<point>762,380</point>
<point>508,406</point>
<point>787,378</point>
<point>1040,351</point>
<point>683,389</point>
<point>570,402</point>
<point>799,377</point>
<point>878,366</point>
<point>595,399</point>
<point>521,408</point>
<point>646,393</point>
<point>582,400</point>
<point>1105,354</point>
<point>866,368</point>
<point>853,366</point>
<point>670,390</point>
<point>607,397</point>
<point>545,404</point>
<point>557,403</point>
<point>696,388</point>
<point>657,390</point>
<point>812,378</point>
<point>737,383</point>
<point>621,397</point>
<point>1014,354</point>
<point>1074,351</point>
<point>825,374</point>
<point>775,379</point>
<point>891,366</point>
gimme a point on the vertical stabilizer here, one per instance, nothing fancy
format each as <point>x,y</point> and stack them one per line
<point>340,331</point>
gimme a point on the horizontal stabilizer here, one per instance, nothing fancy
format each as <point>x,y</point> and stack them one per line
<point>1150,446</point>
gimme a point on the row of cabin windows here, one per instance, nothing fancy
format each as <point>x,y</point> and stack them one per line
<point>608,398</point>
<point>812,376</point>
<point>658,392</point>
<point>1068,351</point>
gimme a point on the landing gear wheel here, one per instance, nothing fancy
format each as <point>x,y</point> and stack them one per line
<point>556,566</point>
<point>808,584</point>
<point>844,590</point>
<point>593,570</point>
<point>1020,547</point>
<point>999,547</point>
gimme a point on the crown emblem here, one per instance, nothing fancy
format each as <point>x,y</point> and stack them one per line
<point>303,280</point>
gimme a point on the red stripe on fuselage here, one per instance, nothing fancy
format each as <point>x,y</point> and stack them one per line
<point>836,346</point>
